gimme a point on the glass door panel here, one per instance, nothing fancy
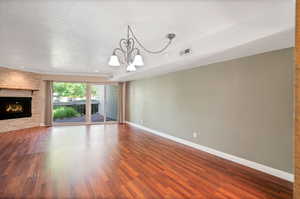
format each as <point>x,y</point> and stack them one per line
<point>69,102</point>
<point>97,103</point>
<point>111,102</point>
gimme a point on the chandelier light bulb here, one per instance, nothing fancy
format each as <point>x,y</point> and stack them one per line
<point>138,60</point>
<point>114,60</point>
<point>131,68</point>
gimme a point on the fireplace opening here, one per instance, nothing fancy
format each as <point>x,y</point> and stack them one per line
<point>15,107</point>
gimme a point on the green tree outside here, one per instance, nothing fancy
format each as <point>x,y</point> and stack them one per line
<point>71,90</point>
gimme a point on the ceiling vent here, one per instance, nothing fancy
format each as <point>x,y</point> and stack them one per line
<point>185,52</point>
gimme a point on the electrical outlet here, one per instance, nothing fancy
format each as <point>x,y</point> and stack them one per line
<point>195,134</point>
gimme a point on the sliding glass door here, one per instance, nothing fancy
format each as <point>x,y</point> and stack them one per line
<point>104,103</point>
<point>69,102</point>
<point>84,103</point>
<point>98,103</point>
<point>111,99</point>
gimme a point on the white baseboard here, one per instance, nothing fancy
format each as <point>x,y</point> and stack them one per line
<point>254,165</point>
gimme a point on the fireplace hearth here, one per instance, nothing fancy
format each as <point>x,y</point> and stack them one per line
<point>15,107</point>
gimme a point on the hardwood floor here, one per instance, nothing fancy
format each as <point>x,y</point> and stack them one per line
<point>119,161</point>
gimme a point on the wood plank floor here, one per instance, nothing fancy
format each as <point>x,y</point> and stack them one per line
<point>119,161</point>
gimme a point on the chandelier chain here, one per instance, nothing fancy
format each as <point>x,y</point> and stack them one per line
<point>144,48</point>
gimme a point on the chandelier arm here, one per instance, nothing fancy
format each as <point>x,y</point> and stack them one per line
<point>135,49</point>
<point>121,46</point>
<point>131,45</point>
<point>144,48</point>
<point>132,48</point>
<point>122,52</point>
<point>118,49</point>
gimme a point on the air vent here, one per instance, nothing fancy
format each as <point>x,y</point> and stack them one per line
<point>185,52</point>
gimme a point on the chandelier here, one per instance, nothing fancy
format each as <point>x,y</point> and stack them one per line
<point>128,54</point>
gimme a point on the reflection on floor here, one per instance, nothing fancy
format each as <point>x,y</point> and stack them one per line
<point>119,161</point>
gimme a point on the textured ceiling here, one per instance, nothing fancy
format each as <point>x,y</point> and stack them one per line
<point>78,36</point>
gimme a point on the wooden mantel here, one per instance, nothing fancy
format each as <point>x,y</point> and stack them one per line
<point>18,88</point>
